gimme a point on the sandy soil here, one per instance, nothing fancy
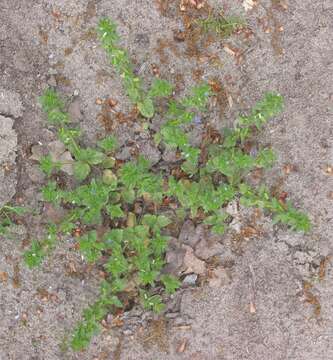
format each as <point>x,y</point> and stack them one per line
<point>273,297</point>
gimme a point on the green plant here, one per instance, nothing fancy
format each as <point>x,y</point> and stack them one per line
<point>130,245</point>
<point>179,116</point>
<point>221,25</point>
<point>40,249</point>
<point>119,58</point>
<point>6,213</point>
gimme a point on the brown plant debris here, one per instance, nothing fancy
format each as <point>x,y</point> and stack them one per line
<point>312,299</point>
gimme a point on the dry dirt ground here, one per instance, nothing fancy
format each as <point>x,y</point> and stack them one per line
<point>272,297</point>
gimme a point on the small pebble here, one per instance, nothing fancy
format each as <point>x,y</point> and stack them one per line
<point>190,280</point>
<point>171,315</point>
<point>128,332</point>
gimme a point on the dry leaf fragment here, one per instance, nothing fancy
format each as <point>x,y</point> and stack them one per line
<point>156,70</point>
<point>280,4</point>
<point>329,170</point>
<point>117,322</point>
<point>98,101</point>
<point>323,266</point>
<point>249,232</point>
<point>183,327</point>
<point>283,196</point>
<point>198,4</point>
<point>230,101</point>
<point>179,35</point>
<point>24,317</point>
<point>229,50</point>
<point>253,309</point>
<point>288,168</point>
<point>249,4</point>
<point>311,298</point>
<point>16,276</point>
<point>3,276</point>
<point>112,102</point>
<point>71,267</point>
<point>55,13</point>
<point>182,346</point>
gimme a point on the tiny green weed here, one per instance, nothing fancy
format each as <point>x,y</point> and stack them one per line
<point>221,25</point>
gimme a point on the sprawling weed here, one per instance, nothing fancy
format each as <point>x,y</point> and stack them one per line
<point>132,246</point>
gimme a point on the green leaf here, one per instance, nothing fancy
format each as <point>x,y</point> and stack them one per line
<point>191,154</point>
<point>51,193</point>
<point>156,223</point>
<point>90,247</point>
<point>152,302</point>
<point>117,264</point>
<point>270,106</point>
<point>199,98</point>
<point>132,174</point>
<point>163,221</point>
<point>115,211</point>
<point>35,256</point>
<point>178,114</point>
<point>18,210</point>
<point>81,170</point>
<point>114,238</point>
<point>295,219</point>
<point>109,144</point>
<point>170,283</point>
<point>148,277</point>
<point>50,101</point>
<point>174,136</point>
<point>160,88</point>
<point>47,165</point>
<point>159,244</point>
<point>83,334</point>
<point>108,31</point>
<point>232,163</point>
<point>128,195</point>
<point>146,108</point>
<point>57,117</point>
<point>90,156</point>
<point>68,137</point>
<point>152,185</point>
<point>218,229</point>
<point>51,239</point>
<point>110,179</point>
<point>120,60</point>
<point>114,300</point>
<point>92,216</point>
<point>109,162</point>
<point>230,138</point>
<point>265,158</point>
<point>223,26</point>
<point>157,138</point>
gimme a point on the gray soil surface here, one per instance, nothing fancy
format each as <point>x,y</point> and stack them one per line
<point>271,297</point>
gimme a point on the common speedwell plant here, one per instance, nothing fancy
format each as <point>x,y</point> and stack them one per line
<point>131,245</point>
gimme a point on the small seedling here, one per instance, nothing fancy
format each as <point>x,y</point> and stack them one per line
<point>221,25</point>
